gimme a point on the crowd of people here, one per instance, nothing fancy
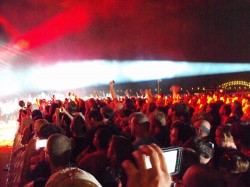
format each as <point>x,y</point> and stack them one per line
<point>104,141</point>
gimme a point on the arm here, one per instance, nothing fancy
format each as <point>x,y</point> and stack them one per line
<point>57,116</point>
<point>149,96</point>
<point>112,91</point>
<point>64,111</point>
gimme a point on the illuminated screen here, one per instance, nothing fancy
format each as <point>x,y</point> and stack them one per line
<point>170,158</point>
<point>41,143</point>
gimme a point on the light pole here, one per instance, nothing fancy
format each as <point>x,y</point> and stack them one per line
<point>158,81</point>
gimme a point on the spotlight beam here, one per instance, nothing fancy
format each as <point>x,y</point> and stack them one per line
<point>74,20</point>
<point>79,74</point>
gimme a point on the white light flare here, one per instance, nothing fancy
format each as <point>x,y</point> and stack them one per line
<point>9,82</point>
<point>152,70</point>
<point>80,74</point>
<point>68,75</point>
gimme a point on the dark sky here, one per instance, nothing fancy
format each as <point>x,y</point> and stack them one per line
<point>196,30</point>
<point>178,30</point>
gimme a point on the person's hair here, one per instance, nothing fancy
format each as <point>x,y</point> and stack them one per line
<point>36,114</point>
<point>200,146</point>
<point>53,108</point>
<point>107,112</point>
<point>238,109</point>
<point>228,110</point>
<point>91,101</point>
<point>214,115</point>
<point>100,103</point>
<point>226,137</point>
<point>225,132</point>
<point>48,130</point>
<point>72,107</point>
<point>122,147</point>
<point>78,125</point>
<point>199,115</point>
<point>234,161</point>
<point>202,175</point>
<point>38,124</point>
<point>59,150</point>
<point>103,134</point>
<point>185,130</point>
<point>214,107</point>
<point>129,104</point>
<point>163,109</point>
<point>95,114</point>
<point>182,111</point>
<point>159,116</point>
<point>21,103</point>
<point>81,105</point>
<point>141,120</point>
<point>126,112</point>
<point>140,101</point>
<point>108,100</point>
<point>155,124</point>
<point>132,115</point>
<point>151,107</point>
<point>29,104</point>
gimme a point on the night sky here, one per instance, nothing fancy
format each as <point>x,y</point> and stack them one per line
<point>214,31</point>
<point>177,30</point>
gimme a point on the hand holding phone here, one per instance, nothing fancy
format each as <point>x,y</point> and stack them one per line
<point>139,175</point>
<point>172,156</point>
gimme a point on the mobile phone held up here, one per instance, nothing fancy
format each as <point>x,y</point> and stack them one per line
<point>173,156</point>
<point>41,143</point>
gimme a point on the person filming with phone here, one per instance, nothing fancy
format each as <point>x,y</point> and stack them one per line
<point>157,176</point>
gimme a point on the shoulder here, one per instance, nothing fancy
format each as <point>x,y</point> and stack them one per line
<point>70,176</point>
